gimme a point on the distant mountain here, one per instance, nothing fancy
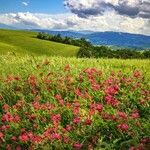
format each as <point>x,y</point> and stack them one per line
<point>114,39</point>
<point>120,39</point>
<point>4,26</point>
<point>72,34</point>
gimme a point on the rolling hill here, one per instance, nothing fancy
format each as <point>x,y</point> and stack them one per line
<point>25,42</point>
<point>117,39</point>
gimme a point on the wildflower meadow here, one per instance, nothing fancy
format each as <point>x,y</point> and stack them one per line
<point>69,103</point>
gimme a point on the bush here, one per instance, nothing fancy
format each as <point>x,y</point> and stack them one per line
<point>106,52</point>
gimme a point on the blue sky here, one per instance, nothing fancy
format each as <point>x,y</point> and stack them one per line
<point>34,6</point>
<point>131,16</point>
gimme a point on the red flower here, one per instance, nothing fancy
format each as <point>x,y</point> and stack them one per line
<point>88,122</point>
<point>16,119</point>
<point>1,135</point>
<point>8,147</point>
<point>90,147</point>
<point>17,78</point>
<point>56,136</point>
<point>5,127</point>
<point>56,118</point>
<point>5,107</point>
<point>58,97</point>
<point>123,127</point>
<point>77,145</point>
<point>137,74</point>
<point>99,107</point>
<point>111,101</point>
<point>24,138</point>
<point>112,90</point>
<point>78,92</point>
<point>135,115</point>
<point>18,148</point>
<point>36,139</point>
<point>95,87</point>
<point>76,111</point>
<point>13,138</point>
<point>76,120</point>
<point>122,115</point>
<point>66,140</point>
<point>68,127</point>
<point>7,117</point>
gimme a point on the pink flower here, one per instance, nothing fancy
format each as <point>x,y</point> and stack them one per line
<point>1,135</point>
<point>122,115</point>
<point>5,107</point>
<point>76,120</point>
<point>123,127</point>
<point>24,138</point>
<point>76,111</point>
<point>78,92</point>
<point>66,140</point>
<point>99,107</point>
<point>56,118</point>
<point>18,148</point>
<point>135,115</point>
<point>36,139</point>
<point>95,87</point>
<point>56,136</point>
<point>58,97</point>
<point>137,74</point>
<point>13,138</point>
<point>7,117</point>
<point>68,127</point>
<point>8,147</point>
<point>88,122</point>
<point>16,118</point>
<point>90,147</point>
<point>77,145</point>
<point>111,101</point>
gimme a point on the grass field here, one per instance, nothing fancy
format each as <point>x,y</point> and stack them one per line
<point>14,64</point>
<point>66,103</point>
<point>69,103</point>
<point>25,42</point>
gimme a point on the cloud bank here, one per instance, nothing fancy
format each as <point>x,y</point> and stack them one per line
<point>70,21</point>
<point>131,16</point>
<point>130,8</point>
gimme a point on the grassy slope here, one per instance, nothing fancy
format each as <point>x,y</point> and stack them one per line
<point>26,65</point>
<point>25,42</point>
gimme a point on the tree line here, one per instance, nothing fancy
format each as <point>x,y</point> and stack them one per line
<point>106,52</point>
<point>91,51</point>
<point>65,40</point>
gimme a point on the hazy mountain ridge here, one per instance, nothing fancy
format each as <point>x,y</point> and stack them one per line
<point>115,39</point>
<point>119,39</point>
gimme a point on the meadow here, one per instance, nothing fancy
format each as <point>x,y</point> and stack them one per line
<point>25,42</point>
<point>69,103</point>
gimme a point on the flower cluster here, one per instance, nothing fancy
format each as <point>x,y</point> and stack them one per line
<point>51,110</point>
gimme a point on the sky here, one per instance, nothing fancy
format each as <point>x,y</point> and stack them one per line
<point>132,16</point>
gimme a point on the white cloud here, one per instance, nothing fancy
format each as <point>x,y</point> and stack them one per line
<point>25,3</point>
<point>130,8</point>
<point>69,21</point>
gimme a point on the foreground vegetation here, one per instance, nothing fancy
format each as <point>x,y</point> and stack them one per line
<point>25,42</point>
<point>69,103</point>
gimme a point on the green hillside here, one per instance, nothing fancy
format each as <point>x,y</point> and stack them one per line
<point>25,42</point>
